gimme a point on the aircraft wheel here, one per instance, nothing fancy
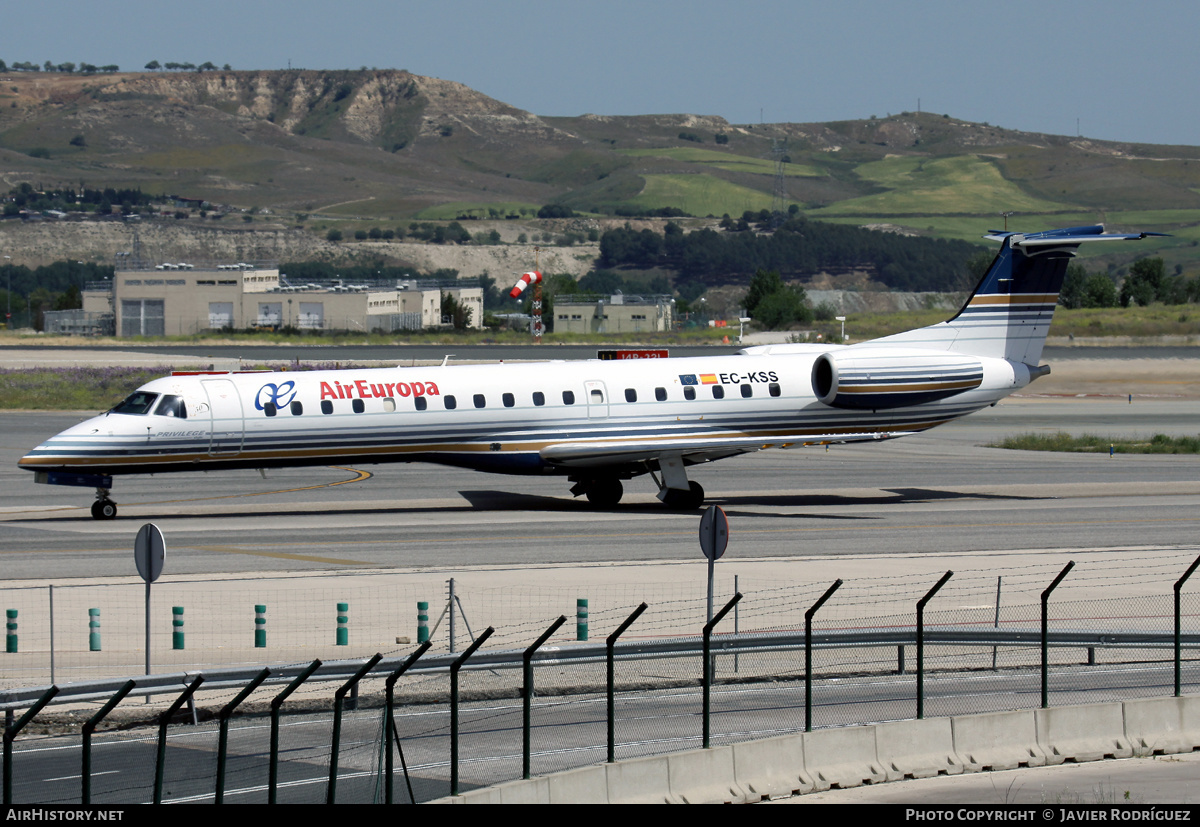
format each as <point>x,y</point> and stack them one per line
<point>104,510</point>
<point>688,500</point>
<point>605,493</point>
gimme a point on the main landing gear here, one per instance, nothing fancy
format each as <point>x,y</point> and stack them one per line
<point>103,508</point>
<point>674,488</point>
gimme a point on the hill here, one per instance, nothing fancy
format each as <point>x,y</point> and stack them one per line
<point>322,149</point>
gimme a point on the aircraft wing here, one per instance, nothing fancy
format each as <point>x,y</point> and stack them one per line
<point>696,449</point>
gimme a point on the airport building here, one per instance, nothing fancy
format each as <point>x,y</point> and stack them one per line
<point>184,298</point>
<point>617,313</point>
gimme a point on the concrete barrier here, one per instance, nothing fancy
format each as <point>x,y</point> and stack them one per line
<point>587,785</point>
<point>772,768</point>
<point>918,749</point>
<point>704,776</point>
<point>998,740</point>
<point>1154,726</point>
<point>639,781</point>
<point>842,757</point>
<point>1082,733</point>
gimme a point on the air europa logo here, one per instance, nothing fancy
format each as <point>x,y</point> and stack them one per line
<point>278,395</point>
<point>363,389</point>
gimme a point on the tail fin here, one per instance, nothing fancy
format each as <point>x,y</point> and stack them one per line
<point>1009,314</point>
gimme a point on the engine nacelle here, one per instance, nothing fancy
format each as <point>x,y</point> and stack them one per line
<point>892,378</point>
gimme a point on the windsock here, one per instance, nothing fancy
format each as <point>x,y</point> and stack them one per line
<point>532,277</point>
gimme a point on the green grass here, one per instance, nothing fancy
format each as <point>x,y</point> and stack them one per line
<point>964,185</point>
<point>1094,444</point>
<point>71,389</point>
<point>700,195</point>
<point>722,160</point>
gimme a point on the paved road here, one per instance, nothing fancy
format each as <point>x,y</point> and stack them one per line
<point>938,493</point>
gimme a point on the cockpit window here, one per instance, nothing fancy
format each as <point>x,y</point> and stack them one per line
<point>138,402</point>
<point>171,406</point>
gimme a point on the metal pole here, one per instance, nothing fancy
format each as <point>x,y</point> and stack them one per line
<point>527,658</point>
<point>389,724</point>
<point>1046,633</point>
<point>88,729</point>
<point>276,703</point>
<point>164,719</point>
<point>52,633</point>
<point>223,738</point>
<point>921,642</point>
<point>338,698</point>
<point>808,616</point>
<point>609,643</point>
<point>1178,621</point>
<point>708,627</point>
<point>996,622</point>
<point>454,667</point>
<point>10,735</point>
<point>451,614</point>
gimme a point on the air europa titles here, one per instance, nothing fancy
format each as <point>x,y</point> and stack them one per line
<point>363,389</point>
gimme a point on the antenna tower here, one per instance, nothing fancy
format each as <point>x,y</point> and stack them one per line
<point>779,192</point>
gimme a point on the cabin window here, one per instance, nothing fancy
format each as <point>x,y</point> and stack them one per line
<point>568,397</point>
<point>297,408</point>
<point>747,391</point>
<point>451,403</point>
<point>420,402</point>
<point>389,404</point>
<point>630,395</point>
<point>358,405</point>
<point>479,400</point>
<point>326,407</point>
<point>689,392</point>
<point>269,409</point>
<point>718,392</point>
<point>171,406</point>
<point>138,402</point>
<point>774,389</point>
<point>539,398</point>
<point>509,400</point>
<point>660,394</point>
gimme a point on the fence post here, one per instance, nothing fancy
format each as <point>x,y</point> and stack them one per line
<point>527,659</point>
<point>177,627</point>
<point>88,729</point>
<point>921,642</point>
<point>608,645</point>
<point>451,585</point>
<point>422,621</point>
<point>581,618</point>
<point>161,757</point>
<point>808,616</point>
<point>343,624</point>
<point>223,737</point>
<point>1178,622</point>
<point>1046,633</point>
<point>93,630</point>
<point>10,631</point>
<point>338,698</point>
<point>10,735</point>
<point>708,627</point>
<point>389,724</point>
<point>276,703</point>
<point>260,626</point>
<point>454,667</point>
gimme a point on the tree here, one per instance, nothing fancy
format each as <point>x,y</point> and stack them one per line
<point>333,235</point>
<point>458,313</point>
<point>1144,282</point>
<point>153,66</point>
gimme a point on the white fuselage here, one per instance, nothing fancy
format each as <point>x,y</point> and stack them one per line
<point>543,417</point>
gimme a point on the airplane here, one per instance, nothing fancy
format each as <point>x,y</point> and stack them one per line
<point>598,423</point>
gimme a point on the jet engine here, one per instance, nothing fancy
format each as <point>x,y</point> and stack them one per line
<point>880,379</point>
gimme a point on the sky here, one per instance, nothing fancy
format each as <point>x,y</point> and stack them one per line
<point>1106,69</point>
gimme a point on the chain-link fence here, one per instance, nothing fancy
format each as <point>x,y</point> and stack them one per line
<point>982,652</point>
